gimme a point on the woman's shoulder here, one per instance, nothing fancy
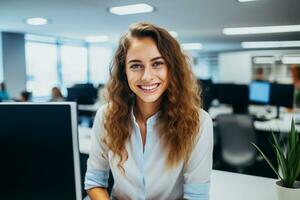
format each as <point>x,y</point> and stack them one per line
<point>101,111</point>
<point>206,126</point>
<point>204,117</point>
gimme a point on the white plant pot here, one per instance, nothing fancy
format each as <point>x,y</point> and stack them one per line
<point>284,193</point>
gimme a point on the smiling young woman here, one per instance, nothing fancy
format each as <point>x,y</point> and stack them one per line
<point>152,134</point>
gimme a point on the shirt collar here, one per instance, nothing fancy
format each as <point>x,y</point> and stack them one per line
<point>151,120</point>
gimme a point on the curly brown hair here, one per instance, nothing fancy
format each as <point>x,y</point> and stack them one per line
<point>178,122</point>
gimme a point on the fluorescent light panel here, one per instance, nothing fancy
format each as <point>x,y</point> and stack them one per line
<point>261,30</point>
<point>242,1</point>
<point>270,44</point>
<point>36,21</point>
<point>96,38</point>
<point>264,60</point>
<point>191,46</point>
<point>290,60</point>
<point>131,9</point>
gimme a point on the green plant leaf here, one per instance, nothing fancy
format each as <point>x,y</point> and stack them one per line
<point>296,164</point>
<point>268,161</point>
<point>288,156</point>
<point>281,161</point>
<point>297,171</point>
<point>291,135</point>
<point>293,154</point>
<point>280,156</point>
<point>294,157</point>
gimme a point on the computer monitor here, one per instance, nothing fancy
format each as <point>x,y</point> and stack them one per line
<point>259,92</point>
<point>206,92</point>
<point>84,85</point>
<point>235,95</point>
<point>241,98</point>
<point>224,92</point>
<point>39,151</point>
<point>282,95</point>
<point>82,94</point>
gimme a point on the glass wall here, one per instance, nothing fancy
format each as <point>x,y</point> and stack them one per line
<point>41,67</point>
<point>51,62</point>
<point>100,58</point>
<point>73,65</point>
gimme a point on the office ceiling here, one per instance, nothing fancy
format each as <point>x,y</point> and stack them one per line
<point>194,20</point>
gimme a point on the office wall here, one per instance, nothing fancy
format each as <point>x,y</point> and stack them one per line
<point>14,65</point>
<point>235,67</point>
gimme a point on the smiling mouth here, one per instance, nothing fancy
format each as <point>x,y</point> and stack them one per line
<point>149,88</point>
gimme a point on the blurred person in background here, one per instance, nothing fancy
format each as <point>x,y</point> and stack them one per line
<point>3,92</point>
<point>56,95</point>
<point>25,96</point>
<point>295,73</point>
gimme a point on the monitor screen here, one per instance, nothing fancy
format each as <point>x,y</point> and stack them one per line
<point>241,98</point>
<point>82,94</point>
<point>282,95</point>
<point>39,151</point>
<point>224,92</point>
<point>259,92</point>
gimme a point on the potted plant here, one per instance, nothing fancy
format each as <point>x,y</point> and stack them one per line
<point>288,158</point>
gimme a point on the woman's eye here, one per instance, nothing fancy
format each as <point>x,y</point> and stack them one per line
<point>135,66</point>
<point>157,64</point>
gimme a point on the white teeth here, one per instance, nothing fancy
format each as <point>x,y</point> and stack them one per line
<point>149,87</point>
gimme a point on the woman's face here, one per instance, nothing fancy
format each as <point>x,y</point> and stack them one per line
<point>146,70</point>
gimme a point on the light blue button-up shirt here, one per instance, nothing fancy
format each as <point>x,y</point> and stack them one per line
<point>146,176</point>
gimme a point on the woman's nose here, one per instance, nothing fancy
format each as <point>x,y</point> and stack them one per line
<point>148,74</point>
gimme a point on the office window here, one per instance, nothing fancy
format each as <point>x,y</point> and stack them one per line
<point>100,58</point>
<point>73,65</point>
<point>41,62</point>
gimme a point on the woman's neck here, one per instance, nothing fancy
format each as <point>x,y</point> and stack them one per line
<point>144,110</point>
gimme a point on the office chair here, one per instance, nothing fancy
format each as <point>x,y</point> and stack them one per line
<point>236,132</point>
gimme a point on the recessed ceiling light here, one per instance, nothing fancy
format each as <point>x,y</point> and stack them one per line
<point>290,60</point>
<point>96,38</point>
<point>36,21</point>
<point>191,46</point>
<point>261,30</point>
<point>174,34</point>
<point>242,1</point>
<point>131,9</point>
<point>264,60</point>
<point>270,44</point>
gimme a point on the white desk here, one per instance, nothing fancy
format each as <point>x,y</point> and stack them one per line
<point>283,124</point>
<point>224,185</point>
<point>92,108</point>
<point>84,136</point>
<point>234,186</point>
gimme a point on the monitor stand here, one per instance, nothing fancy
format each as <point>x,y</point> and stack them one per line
<point>277,112</point>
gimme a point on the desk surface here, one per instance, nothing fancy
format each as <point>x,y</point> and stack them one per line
<point>224,185</point>
<point>84,135</point>
<point>282,125</point>
<point>234,186</point>
<point>91,108</point>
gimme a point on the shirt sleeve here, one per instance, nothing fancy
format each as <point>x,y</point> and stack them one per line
<point>199,167</point>
<point>97,165</point>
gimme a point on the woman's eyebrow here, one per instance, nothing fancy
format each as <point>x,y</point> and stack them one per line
<point>156,58</point>
<point>134,61</point>
<point>139,61</point>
